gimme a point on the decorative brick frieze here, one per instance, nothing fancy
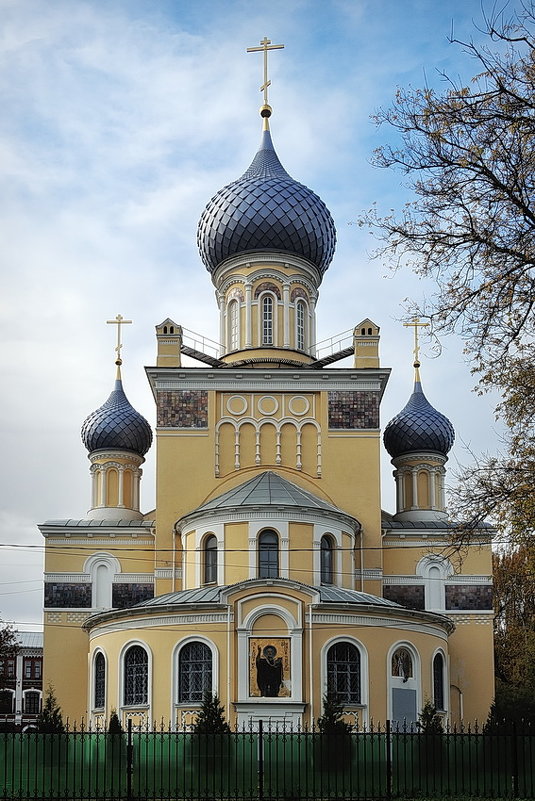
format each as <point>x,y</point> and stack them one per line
<point>63,595</point>
<point>182,409</point>
<point>410,595</point>
<point>126,595</point>
<point>353,410</point>
<point>462,596</point>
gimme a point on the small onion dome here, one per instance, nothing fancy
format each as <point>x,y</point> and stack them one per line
<point>117,425</point>
<point>266,210</point>
<point>418,427</point>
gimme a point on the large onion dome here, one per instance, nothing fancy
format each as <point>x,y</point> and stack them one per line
<point>266,210</point>
<point>418,427</point>
<point>117,425</point>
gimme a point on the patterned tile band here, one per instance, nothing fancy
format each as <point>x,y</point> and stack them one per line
<point>355,410</point>
<point>183,409</point>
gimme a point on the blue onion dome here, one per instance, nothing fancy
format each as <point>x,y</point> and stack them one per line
<point>418,427</point>
<point>117,425</point>
<point>266,210</point>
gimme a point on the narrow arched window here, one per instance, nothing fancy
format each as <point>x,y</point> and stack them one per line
<point>267,320</point>
<point>32,702</point>
<point>210,560</point>
<point>343,673</point>
<point>300,325</point>
<point>136,676</point>
<point>194,672</point>
<point>99,679</point>
<point>268,554</point>
<point>402,665</point>
<point>438,682</point>
<point>326,556</point>
<point>233,325</point>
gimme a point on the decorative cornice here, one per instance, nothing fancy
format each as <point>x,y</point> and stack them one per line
<point>394,622</point>
<point>167,573</point>
<point>189,522</point>
<point>142,622</point>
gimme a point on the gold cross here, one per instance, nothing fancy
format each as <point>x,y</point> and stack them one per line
<point>119,321</point>
<point>265,46</point>
<point>416,324</point>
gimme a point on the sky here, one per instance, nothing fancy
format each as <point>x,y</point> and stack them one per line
<point>120,120</point>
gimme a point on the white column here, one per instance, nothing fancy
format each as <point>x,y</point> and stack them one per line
<point>248,316</point>
<point>222,326</point>
<point>103,487</point>
<point>312,348</point>
<point>120,487</point>
<point>136,478</point>
<point>94,487</point>
<point>414,488</point>
<point>432,479</point>
<point>286,311</point>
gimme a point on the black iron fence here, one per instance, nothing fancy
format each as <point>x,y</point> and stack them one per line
<point>378,763</point>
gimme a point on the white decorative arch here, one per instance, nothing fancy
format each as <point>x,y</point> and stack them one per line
<point>295,632</point>
<point>144,708</point>
<point>445,679</point>
<point>364,675</point>
<point>175,704</point>
<point>102,567</point>
<point>435,570</point>
<point>398,683</point>
<point>92,677</point>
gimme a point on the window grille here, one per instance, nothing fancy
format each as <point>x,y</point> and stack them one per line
<point>326,556</point>
<point>300,325</point>
<point>268,554</point>
<point>194,672</point>
<point>267,320</point>
<point>32,703</point>
<point>136,676</point>
<point>233,323</point>
<point>343,672</point>
<point>100,681</point>
<point>210,560</point>
<point>438,682</point>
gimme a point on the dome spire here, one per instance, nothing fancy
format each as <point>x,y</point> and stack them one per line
<point>265,109</point>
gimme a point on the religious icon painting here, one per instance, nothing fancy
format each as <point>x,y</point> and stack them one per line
<point>269,667</point>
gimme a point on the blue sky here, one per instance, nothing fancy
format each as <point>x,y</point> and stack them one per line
<point>120,120</point>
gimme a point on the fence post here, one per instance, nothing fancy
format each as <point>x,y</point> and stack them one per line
<point>129,761</point>
<point>388,760</point>
<point>260,760</point>
<point>514,778</point>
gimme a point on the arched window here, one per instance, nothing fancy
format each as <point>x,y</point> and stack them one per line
<point>267,320</point>
<point>194,672</point>
<point>402,664</point>
<point>343,673</point>
<point>300,325</point>
<point>438,682</point>
<point>99,681</point>
<point>326,560</point>
<point>268,554</point>
<point>210,560</point>
<point>136,676</point>
<point>32,702</point>
<point>233,325</point>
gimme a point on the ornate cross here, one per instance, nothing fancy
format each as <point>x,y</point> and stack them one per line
<point>265,46</point>
<point>415,323</point>
<point>119,321</point>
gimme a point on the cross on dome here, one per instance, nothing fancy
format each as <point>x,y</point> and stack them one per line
<point>119,321</point>
<point>265,45</point>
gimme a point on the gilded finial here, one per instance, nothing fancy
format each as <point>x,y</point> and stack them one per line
<point>265,45</point>
<point>119,321</point>
<point>415,323</point>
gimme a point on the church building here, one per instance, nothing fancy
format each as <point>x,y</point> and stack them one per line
<point>267,572</point>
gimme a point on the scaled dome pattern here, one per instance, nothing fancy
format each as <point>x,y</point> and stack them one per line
<point>116,424</point>
<point>266,210</point>
<point>418,427</point>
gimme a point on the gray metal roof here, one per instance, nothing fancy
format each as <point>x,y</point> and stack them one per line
<point>268,488</point>
<point>75,523</point>
<point>266,210</point>
<point>212,595</point>
<point>30,639</point>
